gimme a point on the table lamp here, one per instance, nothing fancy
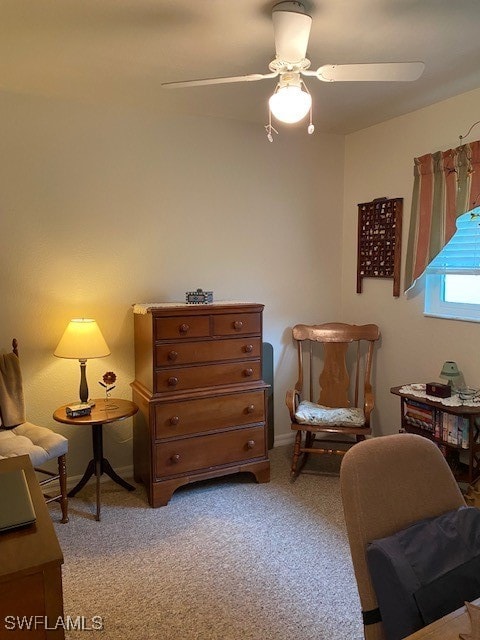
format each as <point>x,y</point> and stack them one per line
<point>452,375</point>
<point>82,340</point>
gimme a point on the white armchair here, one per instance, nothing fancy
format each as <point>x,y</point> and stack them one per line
<point>19,437</point>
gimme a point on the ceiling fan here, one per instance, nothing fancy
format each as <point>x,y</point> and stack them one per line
<point>291,100</point>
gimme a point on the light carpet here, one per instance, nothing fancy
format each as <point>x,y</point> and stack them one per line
<point>226,559</point>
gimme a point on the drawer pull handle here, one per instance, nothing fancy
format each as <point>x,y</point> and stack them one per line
<point>251,408</point>
<point>248,348</point>
<point>172,382</point>
<point>184,328</point>
<point>175,458</point>
<point>174,420</point>
<point>237,325</point>
<point>248,372</point>
<point>250,444</point>
<point>172,355</point>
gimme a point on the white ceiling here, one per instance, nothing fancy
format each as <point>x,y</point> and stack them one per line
<point>122,50</point>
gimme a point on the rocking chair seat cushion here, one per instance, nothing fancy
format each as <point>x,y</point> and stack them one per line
<point>316,414</point>
<point>40,443</point>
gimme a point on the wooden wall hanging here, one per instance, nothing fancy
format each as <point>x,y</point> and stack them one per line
<point>380,241</point>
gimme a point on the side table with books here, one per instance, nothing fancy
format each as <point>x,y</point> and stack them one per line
<point>452,423</point>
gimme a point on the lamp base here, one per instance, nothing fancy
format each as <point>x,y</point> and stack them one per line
<point>83,381</point>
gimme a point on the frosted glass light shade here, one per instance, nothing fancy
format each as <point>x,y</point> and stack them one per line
<point>82,340</point>
<point>450,370</point>
<point>290,104</point>
<point>452,375</point>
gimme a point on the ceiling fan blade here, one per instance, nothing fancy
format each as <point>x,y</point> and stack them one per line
<point>197,83</point>
<point>370,72</point>
<point>291,30</point>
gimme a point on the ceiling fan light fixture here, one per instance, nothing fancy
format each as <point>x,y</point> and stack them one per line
<point>291,102</point>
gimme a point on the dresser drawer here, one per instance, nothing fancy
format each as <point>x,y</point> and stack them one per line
<point>207,414</point>
<point>229,324</point>
<point>182,327</point>
<point>182,378</point>
<point>206,351</point>
<point>204,452</point>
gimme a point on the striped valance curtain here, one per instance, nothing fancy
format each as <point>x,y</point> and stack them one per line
<point>446,185</point>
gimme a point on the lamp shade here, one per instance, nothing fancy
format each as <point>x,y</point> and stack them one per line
<point>290,103</point>
<point>82,340</point>
<point>452,375</point>
<point>450,370</point>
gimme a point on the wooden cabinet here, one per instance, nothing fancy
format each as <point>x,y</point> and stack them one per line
<point>455,429</point>
<point>31,570</point>
<point>202,401</point>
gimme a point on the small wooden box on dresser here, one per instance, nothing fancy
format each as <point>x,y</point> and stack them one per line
<point>202,401</point>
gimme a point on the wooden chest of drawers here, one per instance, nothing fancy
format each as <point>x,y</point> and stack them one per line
<point>201,397</point>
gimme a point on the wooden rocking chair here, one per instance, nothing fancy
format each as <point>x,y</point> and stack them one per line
<point>344,401</point>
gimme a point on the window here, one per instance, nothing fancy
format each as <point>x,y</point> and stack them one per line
<point>452,285</point>
<point>462,289</point>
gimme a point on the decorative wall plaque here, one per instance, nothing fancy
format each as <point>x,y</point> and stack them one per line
<point>380,241</point>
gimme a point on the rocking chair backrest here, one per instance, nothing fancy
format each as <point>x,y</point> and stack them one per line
<point>335,380</point>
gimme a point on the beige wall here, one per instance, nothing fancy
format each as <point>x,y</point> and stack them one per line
<point>103,207</point>
<point>379,162</point>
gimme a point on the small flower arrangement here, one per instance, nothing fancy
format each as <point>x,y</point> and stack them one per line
<point>109,379</point>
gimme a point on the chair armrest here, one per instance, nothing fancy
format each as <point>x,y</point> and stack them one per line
<point>292,400</point>
<point>368,403</point>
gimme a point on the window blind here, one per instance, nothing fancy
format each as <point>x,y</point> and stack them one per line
<point>461,255</point>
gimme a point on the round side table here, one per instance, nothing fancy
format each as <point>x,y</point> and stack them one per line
<point>105,411</point>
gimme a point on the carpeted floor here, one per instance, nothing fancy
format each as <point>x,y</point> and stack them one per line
<point>227,559</point>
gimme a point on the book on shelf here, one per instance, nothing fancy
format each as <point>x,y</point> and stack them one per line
<point>455,430</point>
<point>419,415</point>
<point>448,427</point>
<point>438,429</point>
<point>465,432</point>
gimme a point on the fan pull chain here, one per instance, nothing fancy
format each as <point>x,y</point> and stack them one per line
<point>311,126</point>
<point>269,128</point>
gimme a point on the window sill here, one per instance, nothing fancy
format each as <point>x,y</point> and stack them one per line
<point>449,317</point>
